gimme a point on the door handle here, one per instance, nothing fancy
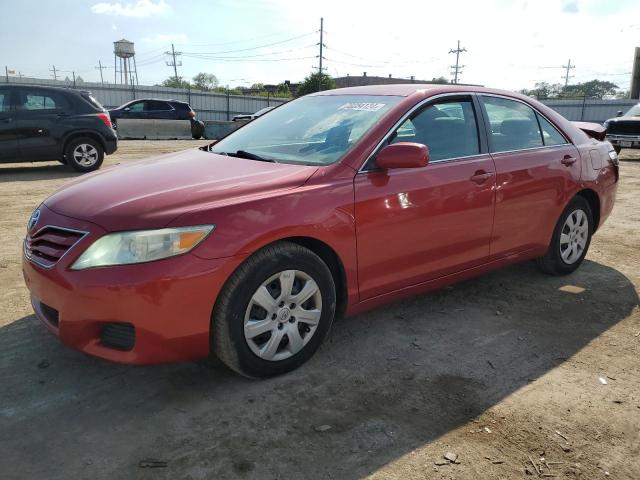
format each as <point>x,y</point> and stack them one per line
<point>568,160</point>
<point>480,177</point>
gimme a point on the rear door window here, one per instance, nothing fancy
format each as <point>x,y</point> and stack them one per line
<point>513,125</point>
<point>157,106</point>
<point>42,100</point>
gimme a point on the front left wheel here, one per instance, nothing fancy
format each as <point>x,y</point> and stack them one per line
<point>274,311</point>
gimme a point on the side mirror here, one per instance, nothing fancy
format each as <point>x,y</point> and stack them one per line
<point>127,109</point>
<point>620,113</point>
<point>403,155</point>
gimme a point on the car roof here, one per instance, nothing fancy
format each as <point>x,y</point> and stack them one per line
<point>158,100</point>
<point>49,87</point>
<point>408,89</point>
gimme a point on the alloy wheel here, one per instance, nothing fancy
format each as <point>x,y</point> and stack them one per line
<point>85,155</point>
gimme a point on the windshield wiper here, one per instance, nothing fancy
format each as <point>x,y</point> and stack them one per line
<point>247,155</point>
<point>253,156</point>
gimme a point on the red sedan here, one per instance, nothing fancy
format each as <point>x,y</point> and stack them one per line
<point>328,205</point>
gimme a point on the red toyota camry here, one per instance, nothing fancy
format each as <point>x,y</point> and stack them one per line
<point>328,205</point>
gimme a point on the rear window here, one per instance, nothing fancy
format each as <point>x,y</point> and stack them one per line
<point>92,100</point>
<point>184,107</point>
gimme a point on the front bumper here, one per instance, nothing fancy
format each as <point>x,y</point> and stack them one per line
<point>168,302</point>
<point>624,141</point>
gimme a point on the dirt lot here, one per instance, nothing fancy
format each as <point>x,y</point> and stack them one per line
<point>498,370</point>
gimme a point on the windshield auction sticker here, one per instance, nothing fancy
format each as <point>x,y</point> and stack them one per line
<point>365,107</point>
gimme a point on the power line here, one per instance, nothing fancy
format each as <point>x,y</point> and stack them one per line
<point>205,56</point>
<point>430,60</point>
<point>225,59</point>
<point>566,76</point>
<point>256,47</point>
<point>457,68</point>
<point>245,40</point>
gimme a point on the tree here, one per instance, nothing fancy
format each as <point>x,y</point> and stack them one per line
<point>441,80</point>
<point>282,90</point>
<point>315,80</point>
<point>543,90</point>
<point>591,89</point>
<point>176,82</point>
<point>205,81</point>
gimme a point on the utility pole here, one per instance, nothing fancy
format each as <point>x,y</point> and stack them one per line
<point>55,73</point>
<point>6,73</point>
<point>457,68</point>
<point>174,63</point>
<point>100,67</point>
<point>566,76</point>
<point>74,79</point>
<point>320,57</point>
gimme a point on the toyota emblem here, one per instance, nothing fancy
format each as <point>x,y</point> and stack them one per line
<point>33,220</point>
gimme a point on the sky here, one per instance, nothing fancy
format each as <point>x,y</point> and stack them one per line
<point>509,44</point>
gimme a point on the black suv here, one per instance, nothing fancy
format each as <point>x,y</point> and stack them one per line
<point>49,123</point>
<point>158,109</point>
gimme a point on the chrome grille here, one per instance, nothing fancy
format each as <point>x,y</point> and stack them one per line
<point>48,245</point>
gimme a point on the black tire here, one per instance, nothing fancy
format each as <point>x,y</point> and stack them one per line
<point>197,130</point>
<point>617,149</point>
<point>228,341</point>
<point>72,161</point>
<point>552,262</point>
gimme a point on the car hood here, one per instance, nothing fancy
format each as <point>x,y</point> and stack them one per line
<point>624,118</point>
<point>153,192</point>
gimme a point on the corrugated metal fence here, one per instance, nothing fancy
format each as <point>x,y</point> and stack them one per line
<point>218,106</point>
<point>208,105</point>
<point>589,110</point>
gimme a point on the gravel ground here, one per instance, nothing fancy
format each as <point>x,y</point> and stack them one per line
<point>500,370</point>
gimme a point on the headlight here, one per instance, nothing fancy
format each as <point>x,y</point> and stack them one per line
<point>606,124</point>
<point>124,248</point>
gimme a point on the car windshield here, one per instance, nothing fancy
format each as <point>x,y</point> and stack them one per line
<point>315,130</point>
<point>634,111</point>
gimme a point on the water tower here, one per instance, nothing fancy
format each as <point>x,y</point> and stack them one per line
<point>124,52</point>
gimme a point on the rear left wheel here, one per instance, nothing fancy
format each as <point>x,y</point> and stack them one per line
<point>274,311</point>
<point>571,239</point>
<point>84,154</point>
